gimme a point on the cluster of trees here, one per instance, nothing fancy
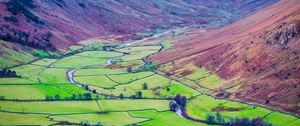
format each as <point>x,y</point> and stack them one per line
<point>218,119</point>
<point>12,19</point>
<point>138,95</point>
<point>7,73</point>
<point>35,40</point>
<point>85,96</point>
<point>21,6</point>
<point>214,119</point>
<point>247,122</point>
<point>147,67</point>
<point>178,102</point>
<point>86,123</point>
<point>2,97</point>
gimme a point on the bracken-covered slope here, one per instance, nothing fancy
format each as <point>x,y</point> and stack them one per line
<point>53,24</point>
<point>258,56</point>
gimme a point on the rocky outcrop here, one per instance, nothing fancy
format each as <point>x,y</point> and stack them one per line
<point>283,34</point>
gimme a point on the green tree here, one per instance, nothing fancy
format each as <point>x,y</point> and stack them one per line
<point>210,118</point>
<point>87,96</point>
<point>145,86</point>
<point>129,69</point>
<point>139,94</point>
<point>121,96</point>
<point>73,97</point>
<point>57,97</point>
<point>80,96</point>
<point>48,98</point>
<point>219,118</point>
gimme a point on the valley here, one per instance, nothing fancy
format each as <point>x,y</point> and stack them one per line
<point>150,62</point>
<point>116,87</point>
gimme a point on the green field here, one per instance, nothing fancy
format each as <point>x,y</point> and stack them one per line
<point>99,54</point>
<point>203,105</point>
<point>99,71</point>
<point>127,78</point>
<point>53,76</point>
<point>39,91</point>
<point>45,62</point>
<point>137,55</point>
<point>280,119</point>
<point>107,119</point>
<point>16,81</point>
<point>166,118</point>
<point>101,81</point>
<point>11,54</point>
<point>51,107</point>
<point>79,61</point>
<point>157,87</point>
<point>23,119</point>
<point>29,70</point>
<point>125,105</point>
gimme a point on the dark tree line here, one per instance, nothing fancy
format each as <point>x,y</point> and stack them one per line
<point>7,73</point>
<point>85,96</point>
<point>218,119</point>
<point>247,122</point>
<point>2,98</point>
<point>32,39</point>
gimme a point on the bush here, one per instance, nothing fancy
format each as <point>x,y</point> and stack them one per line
<point>44,54</point>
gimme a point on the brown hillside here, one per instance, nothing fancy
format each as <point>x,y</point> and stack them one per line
<point>258,54</point>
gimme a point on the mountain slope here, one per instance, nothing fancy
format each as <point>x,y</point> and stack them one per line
<point>57,24</point>
<point>257,57</point>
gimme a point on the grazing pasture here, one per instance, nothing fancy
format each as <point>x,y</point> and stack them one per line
<point>101,81</point>
<point>130,104</point>
<point>23,119</point>
<point>107,119</point>
<point>51,107</point>
<point>166,118</point>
